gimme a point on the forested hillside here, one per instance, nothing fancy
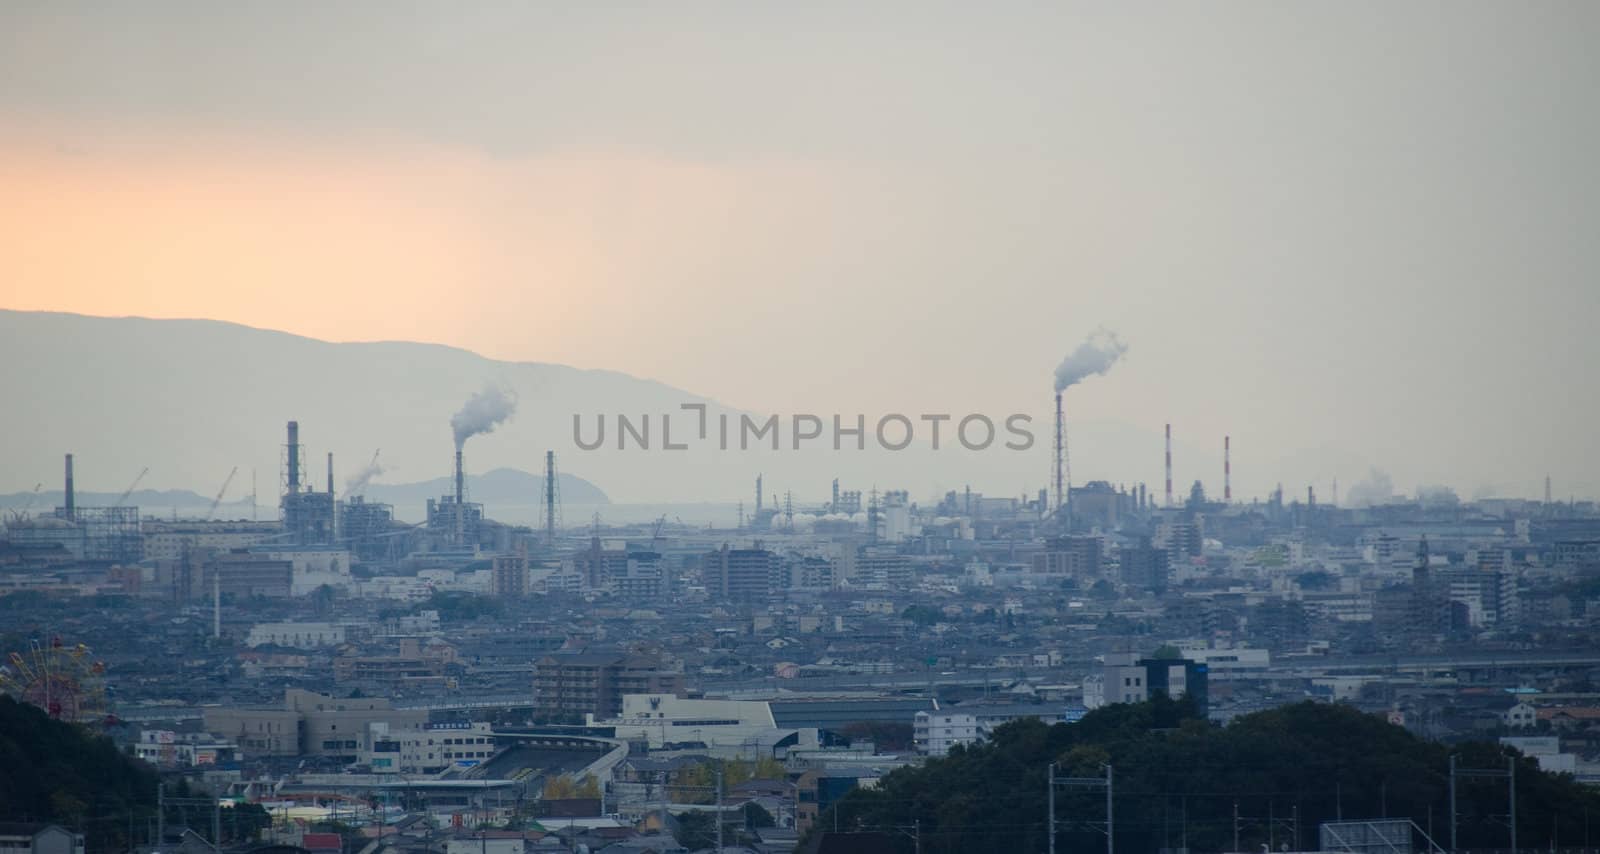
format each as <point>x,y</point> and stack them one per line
<point>1180,781</point>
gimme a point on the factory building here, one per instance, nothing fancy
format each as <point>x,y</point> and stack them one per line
<point>456,522</point>
<point>200,573</point>
<point>98,534</point>
<point>310,724</point>
<point>369,531</point>
<point>167,540</point>
<point>308,516</point>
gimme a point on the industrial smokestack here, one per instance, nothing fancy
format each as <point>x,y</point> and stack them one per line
<point>71,503</point>
<point>461,483</point>
<point>1227,470</point>
<point>758,495</point>
<point>1311,497</point>
<point>294,456</point>
<point>1169,465</point>
<point>1061,443</point>
<point>461,497</point>
<point>550,498</point>
<point>216,603</point>
<point>330,472</point>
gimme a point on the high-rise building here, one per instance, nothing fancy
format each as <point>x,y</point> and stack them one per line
<point>1075,556</point>
<point>568,686</point>
<point>510,575</point>
<point>742,574</point>
<point>1144,566</point>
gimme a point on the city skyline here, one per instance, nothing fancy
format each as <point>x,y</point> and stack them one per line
<point>1379,266</point>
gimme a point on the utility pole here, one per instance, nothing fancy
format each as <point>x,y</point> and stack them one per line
<point>1235,827</point>
<point>1051,784</point>
<point>1511,788</point>
<point>663,805</point>
<point>161,814</point>
<point>1452,803</point>
<point>1091,782</point>
<point>719,809</point>
<point>1510,773</point>
<point>1111,825</point>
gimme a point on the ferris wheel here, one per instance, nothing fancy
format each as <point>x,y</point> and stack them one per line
<point>63,680</point>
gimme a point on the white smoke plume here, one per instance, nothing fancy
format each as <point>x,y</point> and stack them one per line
<point>1094,356</point>
<point>1375,491</point>
<point>357,483</point>
<point>482,413</point>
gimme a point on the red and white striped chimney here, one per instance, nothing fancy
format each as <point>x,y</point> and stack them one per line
<point>1169,465</point>
<point>1227,470</point>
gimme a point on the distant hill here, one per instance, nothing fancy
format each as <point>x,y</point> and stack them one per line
<point>60,772</point>
<point>191,399</point>
<point>1327,762</point>
<point>501,486</point>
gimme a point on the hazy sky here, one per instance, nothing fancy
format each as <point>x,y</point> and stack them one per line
<point>1349,234</point>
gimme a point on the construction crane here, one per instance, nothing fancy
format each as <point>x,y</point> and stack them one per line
<point>221,492</point>
<point>129,491</point>
<point>655,535</point>
<point>32,497</point>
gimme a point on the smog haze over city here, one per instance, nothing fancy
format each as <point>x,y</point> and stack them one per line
<point>769,427</point>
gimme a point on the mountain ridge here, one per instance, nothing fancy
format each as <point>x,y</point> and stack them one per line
<point>192,398</point>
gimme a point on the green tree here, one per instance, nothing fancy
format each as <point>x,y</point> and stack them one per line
<point>1319,761</point>
<point>757,816</point>
<point>696,830</point>
<point>65,773</point>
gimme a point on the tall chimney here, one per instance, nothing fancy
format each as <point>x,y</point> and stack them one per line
<point>1227,469</point>
<point>550,498</point>
<point>758,496</point>
<point>461,497</point>
<point>294,456</point>
<point>1169,465</point>
<point>72,501</point>
<point>1311,496</point>
<point>1060,445</point>
<point>330,472</point>
<point>216,603</point>
<point>461,484</point>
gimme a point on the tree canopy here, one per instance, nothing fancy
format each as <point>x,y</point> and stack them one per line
<point>60,772</point>
<point>1178,781</point>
